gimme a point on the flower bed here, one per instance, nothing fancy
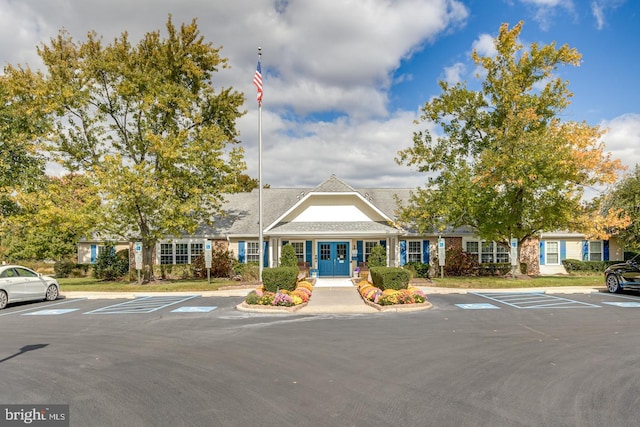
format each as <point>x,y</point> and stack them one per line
<point>390,297</point>
<point>282,300</point>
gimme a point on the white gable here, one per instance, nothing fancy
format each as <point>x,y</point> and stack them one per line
<point>331,213</point>
<point>332,207</point>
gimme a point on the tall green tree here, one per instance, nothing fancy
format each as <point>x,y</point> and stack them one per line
<point>146,125</point>
<point>49,222</point>
<point>21,126</point>
<point>624,201</point>
<point>501,160</point>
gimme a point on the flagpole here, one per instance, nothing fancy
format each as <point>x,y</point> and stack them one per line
<point>261,237</point>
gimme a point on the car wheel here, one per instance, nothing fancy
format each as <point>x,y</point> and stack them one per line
<point>3,299</point>
<point>613,284</point>
<point>52,293</point>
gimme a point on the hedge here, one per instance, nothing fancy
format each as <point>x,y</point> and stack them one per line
<point>279,278</point>
<point>390,277</point>
<point>494,268</point>
<point>419,269</point>
<point>572,265</point>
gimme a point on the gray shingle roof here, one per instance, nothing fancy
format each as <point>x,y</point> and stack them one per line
<point>242,214</point>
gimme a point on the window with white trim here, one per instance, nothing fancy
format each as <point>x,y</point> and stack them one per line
<point>487,252</point>
<point>196,250</point>
<point>595,250</point>
<point>414,251</point>
<point>166,253</point>
<point>182,253</point>
<point>502,253</point>
<point>367,249</point>
<point>299,248</point>
<point>552,250</point>
<point>253,252</point>
<point>473,248</point>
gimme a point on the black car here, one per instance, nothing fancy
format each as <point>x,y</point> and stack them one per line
<point>623,276</point>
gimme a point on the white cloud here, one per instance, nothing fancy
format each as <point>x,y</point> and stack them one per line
<point>623,138</point>
<point>327,56</point>
<point>455,73</point>
<point>485,45</point>
<point>598,14</point>
<point>301,154</point>
<point>599,8</point>
<point>546,10</point>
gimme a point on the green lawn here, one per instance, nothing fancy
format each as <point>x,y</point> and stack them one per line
<point>532,282</point>
<point>87,284</point>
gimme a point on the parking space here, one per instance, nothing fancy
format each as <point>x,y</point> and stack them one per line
<point>494,300</point>
<point>533,300</point>
<point>146,304</point>
<point>224,307</point>
<point>187,305</point>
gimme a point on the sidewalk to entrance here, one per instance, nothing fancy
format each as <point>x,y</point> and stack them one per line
<point>333,282</point>
<point>336,296</point>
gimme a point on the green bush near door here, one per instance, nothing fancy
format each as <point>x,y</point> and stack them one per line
<point>390,277</point>
<point>279,278</point>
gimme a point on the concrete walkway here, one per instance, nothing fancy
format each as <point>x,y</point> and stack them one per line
<point>336,299</point>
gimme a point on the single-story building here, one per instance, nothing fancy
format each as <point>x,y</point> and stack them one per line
<point>333,228</point>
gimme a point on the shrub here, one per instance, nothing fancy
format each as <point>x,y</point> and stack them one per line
<point>248,272</point>
<point>390,277</point>
<point>378,257</point>
<point>252,298</point>
<point>573,265</point>
<point>459,263</point>
<point>419,269</point>
<point>109,265</point>
<point>63,268</point>
<point>288,257</point>
<point>278,278</point>
<point>494,268</point>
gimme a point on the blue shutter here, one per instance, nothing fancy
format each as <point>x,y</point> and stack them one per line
<point>542,262</point>
<point>563,250</point>
<point>383,243</point>
<point>284,242</point>
<point>265,254</point>
<point>360,248</point>
<point>605,250</point>
<point>94,253</point>
<point>241,253</point>
<point>585,250</point>
<point>425,252</point>
<point>403,252</point>
<point>308,250</point>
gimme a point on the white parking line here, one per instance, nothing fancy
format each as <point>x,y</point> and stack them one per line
<point>40,307</point>
<point>534,300</point>
<point>145,304</point>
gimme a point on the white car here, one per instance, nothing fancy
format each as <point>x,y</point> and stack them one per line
<point>23,284</point>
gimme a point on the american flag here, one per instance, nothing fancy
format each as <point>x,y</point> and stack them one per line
<point>257,81</point>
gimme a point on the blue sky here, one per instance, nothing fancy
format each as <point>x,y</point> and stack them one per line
<point>344,80</point>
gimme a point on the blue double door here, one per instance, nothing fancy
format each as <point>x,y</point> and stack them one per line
<point>333,259</point>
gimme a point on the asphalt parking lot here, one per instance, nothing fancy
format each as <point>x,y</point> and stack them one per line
<point>486,358</point>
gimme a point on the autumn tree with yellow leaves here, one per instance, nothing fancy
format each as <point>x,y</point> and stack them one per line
<point>502,161</point>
